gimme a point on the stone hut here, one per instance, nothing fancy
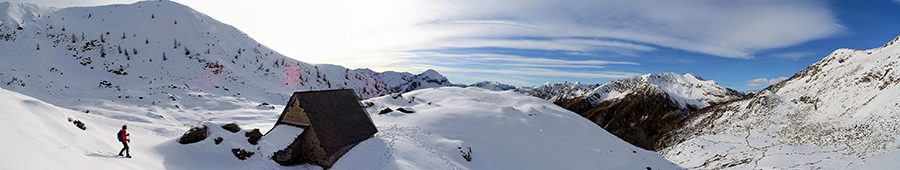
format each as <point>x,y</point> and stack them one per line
<point>333,122</point>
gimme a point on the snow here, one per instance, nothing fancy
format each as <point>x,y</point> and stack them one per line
<point>885,161</point>
<point>431,74</point>
<point>180,68</point>
<point>506,130</point>
<point>687,90</point>
<point>838,113</point>
<point>279,138</point>
<point>614,95</point>
<point>65,57</point>
<point>37,135</point>
<point>491,85</point>
<point>61,55</point>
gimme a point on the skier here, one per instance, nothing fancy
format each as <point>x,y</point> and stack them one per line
<point>123,137</point>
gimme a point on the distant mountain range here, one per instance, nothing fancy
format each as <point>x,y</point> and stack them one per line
<point>637,109</point>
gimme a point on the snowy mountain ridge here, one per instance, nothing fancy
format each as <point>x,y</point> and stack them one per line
<point>491,85</point>
<point>837,112</point>
<point>689,91</point>
<point>639,110</point>
<point>158,52</point>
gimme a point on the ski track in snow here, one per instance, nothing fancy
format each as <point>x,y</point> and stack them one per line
<point>395,133</point>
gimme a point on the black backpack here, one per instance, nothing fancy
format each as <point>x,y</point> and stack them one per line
<point>119,135</point>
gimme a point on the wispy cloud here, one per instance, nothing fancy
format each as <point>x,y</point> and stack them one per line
<point>509,61</point>
<point>474,67</point>
<point>578,45</point>
<point>764,82</point>
<point>334,31</point>
<point>542,72</point>
<point>897,1</point>
<point>380,34</point>
<point>734,29</point>
<point>794,55</point>
<point>498,22</point>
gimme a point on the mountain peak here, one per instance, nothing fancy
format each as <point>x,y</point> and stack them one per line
<point>695,76</point>
<point>432,74</point>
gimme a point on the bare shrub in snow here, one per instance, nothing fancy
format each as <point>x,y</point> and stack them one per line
<point>466,154</point>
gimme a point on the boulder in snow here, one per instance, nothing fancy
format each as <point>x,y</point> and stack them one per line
<point>253,136</point>
<point>194,135</point>
<point>385,111</point>
<point>264,106</point>
<point>79,124</point>
<point>406,110</point>
<point>232,127</point>
<point>241,153</point>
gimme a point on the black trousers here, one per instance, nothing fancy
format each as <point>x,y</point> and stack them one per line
<point>125,149</point>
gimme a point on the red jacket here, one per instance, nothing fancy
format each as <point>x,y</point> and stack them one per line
<point>123,136</point>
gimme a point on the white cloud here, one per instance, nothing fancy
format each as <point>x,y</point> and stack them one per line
<point>341,31</point>
<point>541,72</point>
<point>723,28</point>
<point>380,34</point>
<point>764,82</point>
<point>794,55</point>
<point>509,60</point>
<point>897,1</point>
<point>579,45</point>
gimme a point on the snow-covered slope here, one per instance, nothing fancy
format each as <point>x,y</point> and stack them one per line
<point>837,113</point>
<point>39,135</point>
<point>689,91</point>
<point>161,56</point>
<point>505,130</point>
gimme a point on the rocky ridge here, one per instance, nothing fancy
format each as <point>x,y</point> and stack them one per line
<point>158,52</point>
<point>638,109</point>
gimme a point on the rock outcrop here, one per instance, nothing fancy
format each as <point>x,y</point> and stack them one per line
<point>194,135</point>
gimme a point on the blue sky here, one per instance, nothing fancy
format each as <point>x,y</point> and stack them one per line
<point>743,45</point>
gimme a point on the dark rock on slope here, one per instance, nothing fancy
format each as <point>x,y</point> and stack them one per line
<point>638,118</point>
<point>640,109</point>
